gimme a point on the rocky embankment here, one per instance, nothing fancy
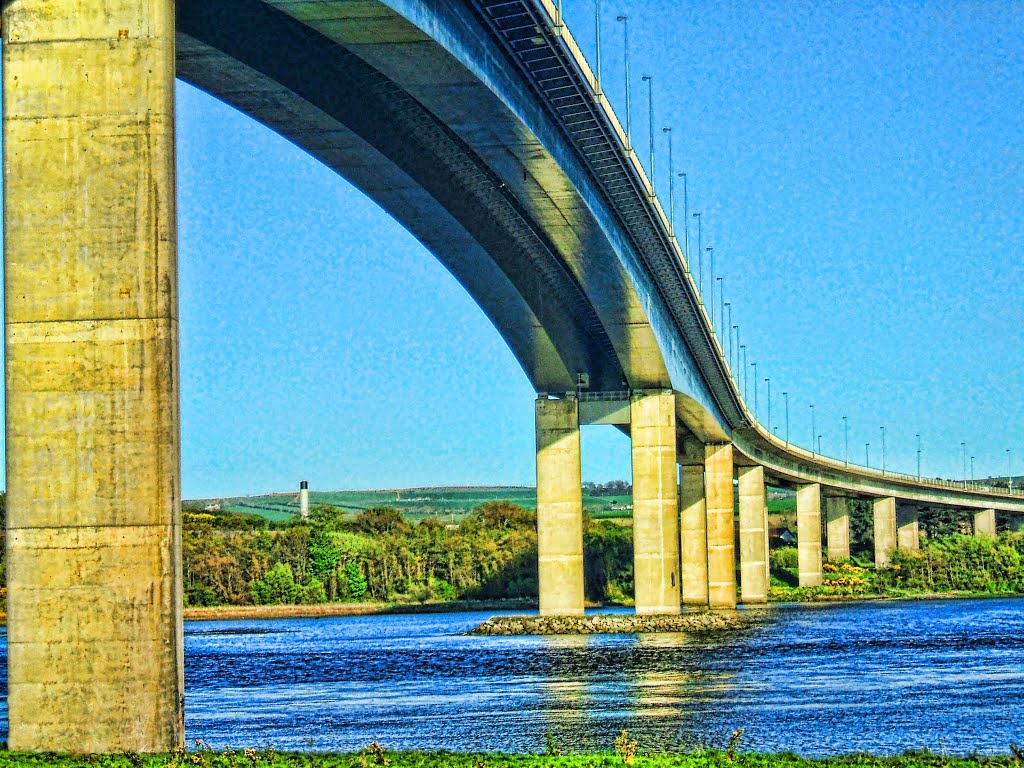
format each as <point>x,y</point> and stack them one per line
<point>610,624</point>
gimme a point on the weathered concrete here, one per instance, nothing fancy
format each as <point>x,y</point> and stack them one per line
<point>559,507</point>
<point>884,512</point>
<point>908,533</point>
<point>753,535</point>
<point>837,527</point>
<point>985,523</point>
<point>718,476</point>
<point>808,534</point>
<point>655,511</point>
<point>94,579</point>
<point>693,529</point>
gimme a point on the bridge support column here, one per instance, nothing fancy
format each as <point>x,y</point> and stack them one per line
<point>985,523</point>
<point>652,420</point>
<point>808,534</point>
<point>718,475</point>
<point>908,535</point>
<point>884,512</point>
<point>91,332</point>
<point>753,535</point>
<point>559,508</point>
<point>693,529</point>
<point>837,527</point>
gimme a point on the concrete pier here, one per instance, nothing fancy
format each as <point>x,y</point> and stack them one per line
<point>693,530</point>
<point>718,477</point>
<point>808,534</point>
<point>559,507</point>
<point>753,535</point>
<point>837,527</point>
<point>884,512</point>
<point>908,534</point>
<point>985,523</point>
<point>655,503</point>
<point>91,331</point>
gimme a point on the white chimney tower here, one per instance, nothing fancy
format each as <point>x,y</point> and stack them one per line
<point>304,499</point>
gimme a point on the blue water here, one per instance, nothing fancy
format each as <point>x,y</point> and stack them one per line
<point>818,680</point>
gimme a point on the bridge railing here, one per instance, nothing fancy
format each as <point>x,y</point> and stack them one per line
<point>721,376</point>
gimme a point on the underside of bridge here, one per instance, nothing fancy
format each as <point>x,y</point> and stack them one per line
<point>449,116</point>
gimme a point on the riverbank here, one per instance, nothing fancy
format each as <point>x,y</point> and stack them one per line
<point>611,624</point>
<point>624,755</point>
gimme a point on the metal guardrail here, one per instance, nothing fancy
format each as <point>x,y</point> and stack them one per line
<point>537,40</point>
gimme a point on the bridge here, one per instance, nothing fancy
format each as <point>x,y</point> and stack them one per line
<point>478,125</point>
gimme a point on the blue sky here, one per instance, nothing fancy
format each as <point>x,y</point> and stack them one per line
<point>860,171</point>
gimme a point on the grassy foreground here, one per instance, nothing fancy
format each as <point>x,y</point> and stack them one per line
<point>625,754</point>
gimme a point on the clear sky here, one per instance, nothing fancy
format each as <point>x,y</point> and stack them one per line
<point>860,171</point>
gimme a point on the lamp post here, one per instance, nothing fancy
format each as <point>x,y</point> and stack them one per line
<point>1009,471</point>
<point>671,186</point>
<point>768,381</point>
<point>963,461</point>
<point>754,366</point>
<point>785,397</point>
<point>814,429</point>
<point>597,37</point>
<point>650,114</point>
<point>736,362</point>
<point>700,261</point>
<point>972,471</point>
<point>728,305</point>
<point>846,441</point>
<point>686,222</point>
<point>629,112</point>
<point>721,299</point>
<point>867,455</point>
<point>819,445</point>
<point>743,349</point>
<point>883,449</point>
<point>919,456</point>
<point>711,272</point>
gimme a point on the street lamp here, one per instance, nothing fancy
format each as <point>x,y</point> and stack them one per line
<point>671,186</point>
<point>597,37</point>
<point>686,222</point>
<point>743,348</point>
<point>919,456</point>
<point>846,441</point>
<point>1009,471</point>
<point>785,396</point>
<point>629,112</point>
<point>711,273</point>
<point>700,261</point>
<point>754,366</point>
<point>814,430</point>
<point>736,365</point>
<point>650,114</point>
<point>963,474</point>
<point>883,449</point>
<point>972,471</point>
<point>768,381</point>
<point>721,299</point>
<point>819,446</point>
<point>729,328</point>
<point>867,455</point>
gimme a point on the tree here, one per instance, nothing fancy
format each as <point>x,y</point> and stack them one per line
<point>323,555</point>
<point>278,587</point>
<point>355,580</point>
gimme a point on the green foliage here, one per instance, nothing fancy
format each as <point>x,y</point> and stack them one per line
<point>323,554</point>
<point>355,582</point>
<point>277,587</point>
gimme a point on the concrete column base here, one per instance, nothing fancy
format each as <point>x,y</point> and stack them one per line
<point>559,508</point>
<point>837,527</point>
<point>718,477</point>
<point>985,523</point>
<point>808,534</point>
<point>753,535</point>
<point>885,530</point>
<point>693,527</point>
<point>908,534</point>
<point>655,497</point>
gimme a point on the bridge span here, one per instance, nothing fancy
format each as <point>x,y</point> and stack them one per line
<point>477,124</point>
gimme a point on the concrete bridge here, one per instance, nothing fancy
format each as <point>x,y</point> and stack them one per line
<point>479,126</point>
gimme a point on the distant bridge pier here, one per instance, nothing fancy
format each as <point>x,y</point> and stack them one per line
<point>884,512</point>
<point>559,507</point>
<point>908,531</point>
<point>693,524</point>
<point>985,523</point>
<point>808,534</point>
<point>655,499</point>
<point>837,527</point>
<point>753,520</point>
<point>721,522</point>
<point>91,332</point>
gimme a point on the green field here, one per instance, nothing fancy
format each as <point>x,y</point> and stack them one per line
<point>415,503</point>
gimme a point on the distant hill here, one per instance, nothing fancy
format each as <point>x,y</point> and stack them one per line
<point>414,503</point>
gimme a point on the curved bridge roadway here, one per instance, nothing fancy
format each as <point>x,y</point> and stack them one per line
<point>478,125</point>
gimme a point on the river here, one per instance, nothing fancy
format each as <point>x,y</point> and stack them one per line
<point>947,675</point>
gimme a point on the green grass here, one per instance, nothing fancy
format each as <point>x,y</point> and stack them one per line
<point>375,756</point>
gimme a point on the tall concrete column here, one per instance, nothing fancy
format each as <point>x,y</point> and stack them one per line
<point>837,527</point>
<point>808,534</point>
<point>908,535</point>
<point>693,530</point>
<point>884,511</point>
<point>652,418</point>
<point>718,476</point>
<point>753,535</point>
<point>559,508</point>
<point>91,332</point>
<point>985,523</point>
